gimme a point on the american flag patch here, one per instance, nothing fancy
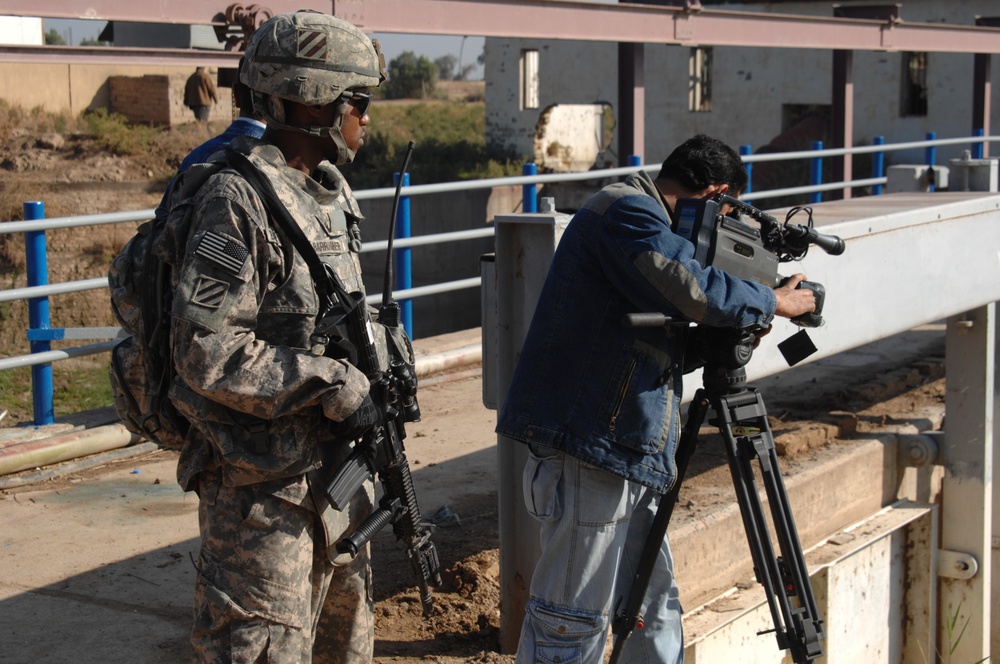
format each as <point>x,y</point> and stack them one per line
<point>225,252</point>
<point>313,44</point>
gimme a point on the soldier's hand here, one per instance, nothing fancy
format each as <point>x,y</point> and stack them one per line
<point>357,423</point>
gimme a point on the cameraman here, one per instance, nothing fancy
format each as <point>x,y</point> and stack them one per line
<point>598,403</point>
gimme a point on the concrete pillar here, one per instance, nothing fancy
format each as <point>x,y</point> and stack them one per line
<point>968,174</point>
<point>525,244</point>
<point>966,556</point>
<point>915,178</point>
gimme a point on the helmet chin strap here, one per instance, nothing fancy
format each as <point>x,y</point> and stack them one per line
<point>275,117</point>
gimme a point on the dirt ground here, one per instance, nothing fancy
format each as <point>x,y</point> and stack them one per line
<point>451,451</point>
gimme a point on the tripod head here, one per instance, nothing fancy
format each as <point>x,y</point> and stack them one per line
<point>724,352</point>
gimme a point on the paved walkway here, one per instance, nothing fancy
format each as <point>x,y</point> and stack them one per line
<point>97,554</point>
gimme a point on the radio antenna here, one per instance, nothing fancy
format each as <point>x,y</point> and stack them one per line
<point>387,285</point>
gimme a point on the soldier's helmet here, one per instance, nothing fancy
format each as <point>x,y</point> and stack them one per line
<point>310,58</point>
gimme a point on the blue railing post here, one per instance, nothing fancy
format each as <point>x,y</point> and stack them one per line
<point>977,148</point>
<point>529,192</point>
<point>816,173</point>
<point>878,165</point>
<point>37,265</point>
<point>745,151</point>
<point>403,258</point>
<point>931,153</point>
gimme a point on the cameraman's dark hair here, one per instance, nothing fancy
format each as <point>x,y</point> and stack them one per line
<point>701,161</point>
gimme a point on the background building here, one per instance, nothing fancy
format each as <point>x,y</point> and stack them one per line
<point>771,98</point>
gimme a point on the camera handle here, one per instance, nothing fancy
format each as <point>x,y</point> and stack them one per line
<point>742,420</point>
<point>814,319</point>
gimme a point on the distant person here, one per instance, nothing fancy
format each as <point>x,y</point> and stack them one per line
<point>248,123</point>
<point>199,94</point>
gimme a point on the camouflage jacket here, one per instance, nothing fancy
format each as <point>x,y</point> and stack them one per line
<point>244,308</point>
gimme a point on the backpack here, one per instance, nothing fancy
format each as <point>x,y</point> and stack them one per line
<point>141,368</point>
<point>139,278</point>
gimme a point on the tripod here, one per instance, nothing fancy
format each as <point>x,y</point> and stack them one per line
<point>742,421</point>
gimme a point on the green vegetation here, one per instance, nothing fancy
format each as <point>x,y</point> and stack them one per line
<point>13,118</point>
<point>77,386</point>
<point>411,77</point>
<point>115,134</point>
<point>450,145</point>
<point>53,38</point>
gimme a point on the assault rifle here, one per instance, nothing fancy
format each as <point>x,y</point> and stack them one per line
<point>380,451</point>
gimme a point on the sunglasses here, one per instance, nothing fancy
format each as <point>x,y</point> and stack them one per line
<point>359,100</point>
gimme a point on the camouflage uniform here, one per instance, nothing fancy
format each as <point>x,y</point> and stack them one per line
<point>260,400</point>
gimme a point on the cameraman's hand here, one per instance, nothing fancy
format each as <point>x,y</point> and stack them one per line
<point>357,423</point>
<point>792,300</point>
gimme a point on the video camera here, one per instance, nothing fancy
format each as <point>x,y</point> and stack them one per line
<point>753,253</point>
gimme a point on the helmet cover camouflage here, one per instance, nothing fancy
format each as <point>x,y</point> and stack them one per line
<point>311,58</point>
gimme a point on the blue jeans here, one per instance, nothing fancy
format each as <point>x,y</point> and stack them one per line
<point>593,527</point>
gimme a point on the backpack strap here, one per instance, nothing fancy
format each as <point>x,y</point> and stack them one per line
<point>328,282</point>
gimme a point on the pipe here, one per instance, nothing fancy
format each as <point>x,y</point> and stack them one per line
<point>19,436</point>
<point>449,359</point>
<point>64,447</point>
<point>75,466</point>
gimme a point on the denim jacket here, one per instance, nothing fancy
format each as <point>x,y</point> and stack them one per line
<point>587,385</point>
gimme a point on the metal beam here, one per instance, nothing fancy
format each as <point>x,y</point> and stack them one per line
<point>79,55</point>
<point>981,84</point>
<point>631,102</point>
<point>842,113</point>
<point>186,12</point>
<point>563,19</point>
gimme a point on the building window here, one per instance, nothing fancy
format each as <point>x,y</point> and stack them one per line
<point>700,80</point>
<point>529,79</point>
<point>914,93</point>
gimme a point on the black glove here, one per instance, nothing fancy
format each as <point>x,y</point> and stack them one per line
<point>361,420</point>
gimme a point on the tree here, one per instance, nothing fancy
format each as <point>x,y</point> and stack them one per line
<point>446,67</point>
<point>465,73</point>
<point>53,38</point>
<point>411,77</point>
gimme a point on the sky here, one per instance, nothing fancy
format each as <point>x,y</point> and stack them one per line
<point>393,44</point>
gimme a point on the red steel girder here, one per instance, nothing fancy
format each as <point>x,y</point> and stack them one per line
<point>564,19</point>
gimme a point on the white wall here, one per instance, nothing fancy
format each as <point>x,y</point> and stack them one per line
<point>750,86</point>
<point>21,30</point>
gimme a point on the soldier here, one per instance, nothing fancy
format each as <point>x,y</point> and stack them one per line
<point>271,413</point>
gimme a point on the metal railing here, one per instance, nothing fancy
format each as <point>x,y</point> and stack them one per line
<point>38,290</point>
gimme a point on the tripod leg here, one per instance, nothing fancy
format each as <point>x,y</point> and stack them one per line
<point>630,616</point>
<point>744,427</point>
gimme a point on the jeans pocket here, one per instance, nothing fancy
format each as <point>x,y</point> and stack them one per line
<point>562,635</point>
<point>541,484</point>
